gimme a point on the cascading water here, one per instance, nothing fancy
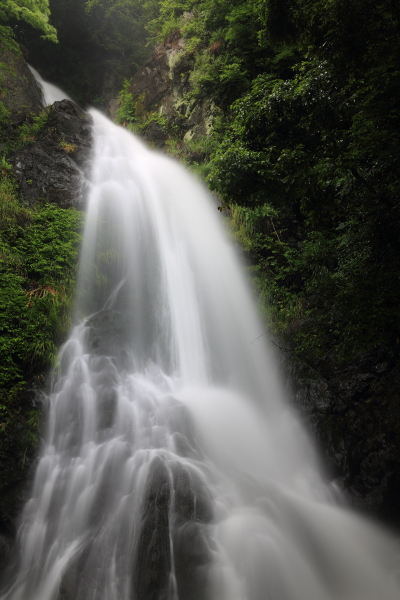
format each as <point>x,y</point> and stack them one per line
<point>172,467</point>
<point>51,93</point>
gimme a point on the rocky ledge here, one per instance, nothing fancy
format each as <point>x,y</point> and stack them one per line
<point>53,166</point>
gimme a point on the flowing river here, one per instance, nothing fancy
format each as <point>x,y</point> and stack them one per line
<point>173,467</point>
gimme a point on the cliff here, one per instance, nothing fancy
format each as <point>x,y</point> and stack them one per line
<point>164,110</point>
<point>44,154</point>
<point>351,405</point>
<point>354,413</point>
<point>273,190</point>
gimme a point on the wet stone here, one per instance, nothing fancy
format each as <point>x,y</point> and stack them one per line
<point>192,561</point>
<point>54,166</point>
<point>153,563</point>
<point>108,335</point>
<point>192,500</point>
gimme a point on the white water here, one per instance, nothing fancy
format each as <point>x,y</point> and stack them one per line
<point>50,92</point>
<point>181,385</point>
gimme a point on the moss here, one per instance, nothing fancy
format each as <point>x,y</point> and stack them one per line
<point>27,132</point>
<point>4,113</point>
<point>139,104</point>
<point>68,148</point>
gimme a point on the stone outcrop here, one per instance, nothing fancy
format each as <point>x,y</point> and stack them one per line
<point>153,563</point>
<point>176,511</point>
<point>20,94</point>
<point>52,167</point>
<point>172,551</point>
<point>355,413</point>
<point>160,89</point>
<point>16,466</point>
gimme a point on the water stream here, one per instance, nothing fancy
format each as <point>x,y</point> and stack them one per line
<point>173,466</point>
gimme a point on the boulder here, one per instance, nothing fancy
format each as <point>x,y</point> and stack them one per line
<point>153,562</point>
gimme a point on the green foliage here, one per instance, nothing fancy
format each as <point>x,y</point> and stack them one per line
<point>305,155</point>
<point>4,165</point>
<point>224,38</point>
<point>28,131</point>
<point>118,26</point>
<point>195,154</point>
<point>316,139</point>
<point>38,256</point>
<point>154,118</point>
<point>127,111</point>
<point>4,113</point>
<point>34,12</point>
<point>7,41</point>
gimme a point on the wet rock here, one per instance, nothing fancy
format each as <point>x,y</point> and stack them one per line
<point>153,564</point>
<point>191,541</point>
<point>355,413</point>
<point>6,547</point>
<point>18,451</point>
<point>110,335</point>
<point>176,511</point>
<point>53,165</point>
<point>20,94</point>
<point>159,89</point>
<point>192,561</point>
<point>192,501</point>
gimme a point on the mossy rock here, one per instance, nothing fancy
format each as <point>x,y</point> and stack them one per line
<point>18,89</point>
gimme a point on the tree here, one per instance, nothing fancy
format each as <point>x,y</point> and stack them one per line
<point>34,12</point>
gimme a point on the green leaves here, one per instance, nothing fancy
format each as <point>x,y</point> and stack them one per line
<point>126,113</point>
<point>34,12</point>
<point>118,26</point>
<point>316,139</point>
<point>38,258</point>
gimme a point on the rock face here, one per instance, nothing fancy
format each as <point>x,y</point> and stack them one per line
<point>354,410</point>
<point>20,94</point>
<point>159,90</point>
<point>53,166</point>
<point>49,166</point>
<point>355,413</point>
<point>175,513</point>
<point>16,468</point>
<point>153,563</point>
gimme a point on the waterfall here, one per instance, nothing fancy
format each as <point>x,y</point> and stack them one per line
<point>173,467</point>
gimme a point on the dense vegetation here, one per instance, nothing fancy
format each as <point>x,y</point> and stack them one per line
<point>306,157</point>
<point>101,42</point>
<point>39,246</point>
<point>38,253</point>
<point>38,256</point>
<point>34,12</point>
<point>304,154</point>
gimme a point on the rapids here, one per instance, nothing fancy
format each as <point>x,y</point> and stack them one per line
<point>173,467</point>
